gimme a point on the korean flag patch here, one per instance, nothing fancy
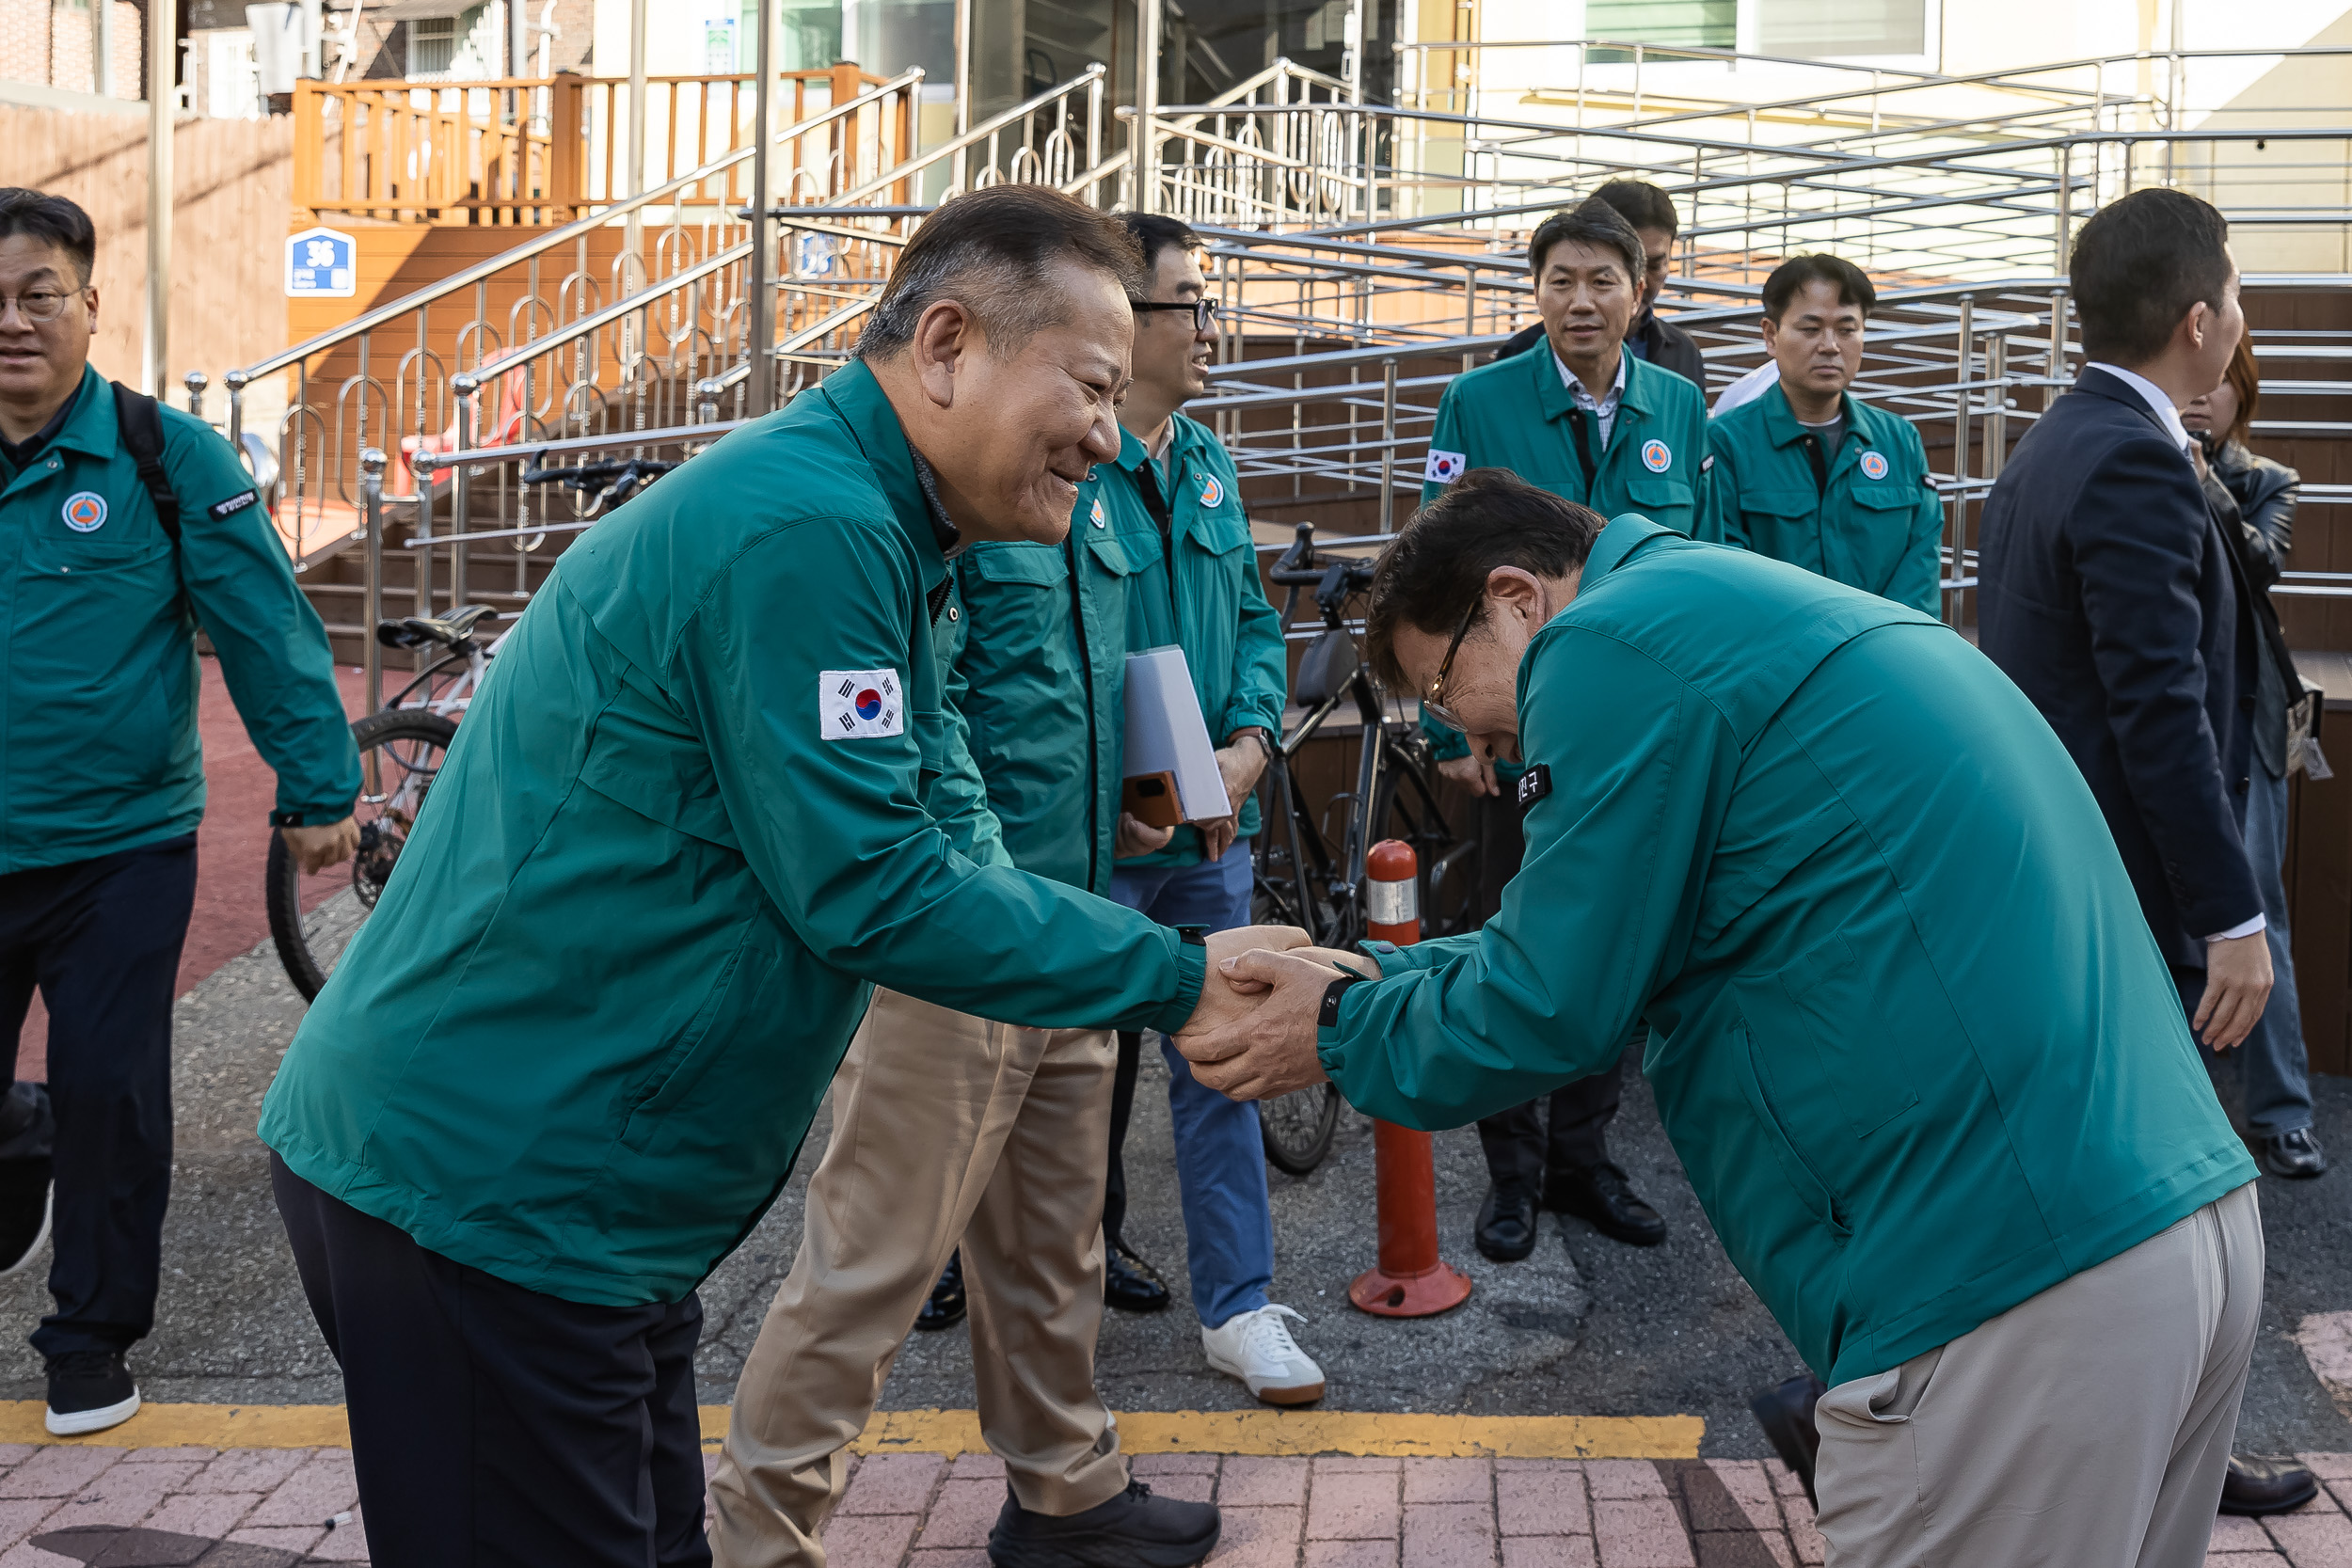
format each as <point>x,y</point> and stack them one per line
<point>1443,467</point>
<point>859,704</point>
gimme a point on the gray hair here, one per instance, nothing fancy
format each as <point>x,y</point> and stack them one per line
<point>991,251</point>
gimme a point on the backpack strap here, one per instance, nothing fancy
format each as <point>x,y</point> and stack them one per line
<point>139,422</point>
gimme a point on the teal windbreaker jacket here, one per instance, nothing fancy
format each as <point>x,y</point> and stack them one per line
<point>98,748</point>
<point>1202,593</point>
<point>1909,1032</point>
<point>679,835</point>
<point>1874,521</point>
<point>1037,656</point>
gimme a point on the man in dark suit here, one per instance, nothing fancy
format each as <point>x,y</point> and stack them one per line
<point>2107,594</point>
<point>1651,214</point>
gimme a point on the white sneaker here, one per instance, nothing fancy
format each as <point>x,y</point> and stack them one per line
<point>1257,1348</point>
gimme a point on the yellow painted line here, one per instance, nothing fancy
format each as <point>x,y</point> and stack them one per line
<point>193,1426</point>
<point>1310,1431</point>
<point>955,1432</point>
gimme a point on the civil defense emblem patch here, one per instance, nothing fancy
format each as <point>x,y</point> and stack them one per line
<point>1873,464</point>
<point>85,511</point>
<point>1654,457</point>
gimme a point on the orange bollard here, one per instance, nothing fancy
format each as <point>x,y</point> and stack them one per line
<point>1411,1280</point>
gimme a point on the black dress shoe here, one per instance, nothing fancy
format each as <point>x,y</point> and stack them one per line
<point>1132,1528</point>
<point>2295,1155</point>
<point>943,1308</point>
<point>2258,1487</point>
<point>1131,1284</point>
<point>1506,1223</point>
<point>1602,1195</point>
<point>1786,1413</point>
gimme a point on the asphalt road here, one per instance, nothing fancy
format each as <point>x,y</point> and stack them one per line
<point>1584,1327</point>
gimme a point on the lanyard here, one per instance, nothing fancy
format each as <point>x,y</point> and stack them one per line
<point>1155,503</point>
<point>1820,464</point>
<point>1584,449</point>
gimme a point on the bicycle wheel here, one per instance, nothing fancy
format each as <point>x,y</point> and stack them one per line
<point>400,753</point>
<point>1296,1128</point>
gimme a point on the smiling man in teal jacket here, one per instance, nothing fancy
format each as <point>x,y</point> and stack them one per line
<point>1910,1034</point>
<point>711,795</point>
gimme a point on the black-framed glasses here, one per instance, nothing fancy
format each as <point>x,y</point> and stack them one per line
<point>1203,310</point>
<point>1432,701</point>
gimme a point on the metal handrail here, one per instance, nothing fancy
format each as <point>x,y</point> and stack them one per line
<point>466,277</point>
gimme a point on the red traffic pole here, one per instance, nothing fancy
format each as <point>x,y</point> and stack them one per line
<point>1411,1280</point>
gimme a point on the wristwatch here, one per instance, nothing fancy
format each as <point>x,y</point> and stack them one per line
<point>1328,1015</point>
<point>1256,733</point>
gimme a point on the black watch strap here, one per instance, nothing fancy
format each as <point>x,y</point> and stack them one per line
<point>1327,1016</point>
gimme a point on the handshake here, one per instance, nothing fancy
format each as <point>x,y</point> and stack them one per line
<point>1252,1034</point>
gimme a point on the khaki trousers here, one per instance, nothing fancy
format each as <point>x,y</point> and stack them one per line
<point>946,1128</point>
<point>2088,1427</point>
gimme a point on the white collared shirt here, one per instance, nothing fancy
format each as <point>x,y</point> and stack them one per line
<point>2159,401</point>
<point>1604,412</point>
<point>2160,404</point>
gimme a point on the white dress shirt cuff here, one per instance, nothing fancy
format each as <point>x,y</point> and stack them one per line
<point>2244,929</point>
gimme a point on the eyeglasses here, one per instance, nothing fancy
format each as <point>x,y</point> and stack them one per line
<point>39,305</point>
<point>1203,310</point>
<point>1432,701</point>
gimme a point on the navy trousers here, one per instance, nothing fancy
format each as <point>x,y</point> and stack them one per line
<point>102,940</point>
<point>495,1427</point>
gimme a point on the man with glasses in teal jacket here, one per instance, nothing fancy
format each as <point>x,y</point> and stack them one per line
<point>123,527</point>
<point>1910,1033</point>
<point>1173,501</point>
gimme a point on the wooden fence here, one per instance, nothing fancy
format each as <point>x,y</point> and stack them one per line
<point>231,180</point>
<point>536,151</point>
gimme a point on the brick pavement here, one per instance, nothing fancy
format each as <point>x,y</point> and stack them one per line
<point>62,1506</point>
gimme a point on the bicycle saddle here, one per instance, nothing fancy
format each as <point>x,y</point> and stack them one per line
<point>414,631</point>
<point>1325,669</point>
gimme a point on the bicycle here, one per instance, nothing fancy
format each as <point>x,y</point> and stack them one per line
<point>401,748</point>
<point>1306,877</point>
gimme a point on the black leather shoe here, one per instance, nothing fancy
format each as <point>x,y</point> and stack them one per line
<point>943,1308</point>
<point>1132,1528</point>
<point>2295,1155</point>
<point>1131,1284</point>
<point>2258,1487</point>
<point>1602,1195</point>
<point>1506,1223</point>
<point>1786,1413</point>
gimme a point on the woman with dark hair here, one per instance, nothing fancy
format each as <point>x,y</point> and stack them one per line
<point>2253,501</point>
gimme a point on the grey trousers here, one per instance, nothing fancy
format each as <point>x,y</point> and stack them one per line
<point>2088,1427</point>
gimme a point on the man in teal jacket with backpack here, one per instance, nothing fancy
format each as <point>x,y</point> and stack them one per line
<point>122,526</point>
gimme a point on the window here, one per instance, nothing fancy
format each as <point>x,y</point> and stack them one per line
<point>432,45</point>
<point>1816,28</point>
<point>1691,23</point>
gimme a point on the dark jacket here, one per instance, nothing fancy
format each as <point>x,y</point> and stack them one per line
<point>2108,593</point>
<point>1668,347</point>
<point>2253,505</point>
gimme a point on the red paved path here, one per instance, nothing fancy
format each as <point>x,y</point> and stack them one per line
<point>231,846</point>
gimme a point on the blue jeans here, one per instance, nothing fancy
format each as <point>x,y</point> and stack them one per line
<point>1220,1158</point>
<point>2277,1072</point>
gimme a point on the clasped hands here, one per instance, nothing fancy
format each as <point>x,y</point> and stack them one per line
<point>1252,1034</point>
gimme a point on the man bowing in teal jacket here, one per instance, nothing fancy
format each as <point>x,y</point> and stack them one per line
<point>1909,1032</point>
